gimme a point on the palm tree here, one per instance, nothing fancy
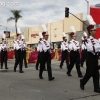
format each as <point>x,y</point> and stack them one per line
<point>16,16</point>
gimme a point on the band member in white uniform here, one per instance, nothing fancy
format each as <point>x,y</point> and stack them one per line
<point>45,56</point>
<point>64,48</point>
<point>93,48</point>
<point>74,54</point>
<point>39,50</point>
<point>84,50</point>
<point>38,58</point>
<point>18,59</point>
<point>3,49</point>
<point>24,48</point>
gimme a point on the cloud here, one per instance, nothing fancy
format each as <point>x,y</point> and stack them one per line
<point>37,12</point>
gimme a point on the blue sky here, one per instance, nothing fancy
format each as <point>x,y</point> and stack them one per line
<point>37,12</point>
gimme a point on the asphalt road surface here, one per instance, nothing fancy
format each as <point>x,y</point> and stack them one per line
<point>28,86</point>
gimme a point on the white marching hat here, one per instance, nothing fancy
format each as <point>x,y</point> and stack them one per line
<point>44,30</point>
<point>18,31</point>
<point>73,33</point>
<point>40,34</point>
<point>82,38</point>
<point>3,37</point>
<point>64,35</point>
<point>92,24</point>
<point>90,20</point>
<point>23,37</point>
<point>85,34</point>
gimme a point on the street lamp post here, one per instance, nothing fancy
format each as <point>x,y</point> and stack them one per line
<point>87,7</point>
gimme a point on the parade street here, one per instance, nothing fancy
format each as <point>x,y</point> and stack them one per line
<point>28,86</point>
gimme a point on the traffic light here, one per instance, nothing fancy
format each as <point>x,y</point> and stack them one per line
<point>66,12</point>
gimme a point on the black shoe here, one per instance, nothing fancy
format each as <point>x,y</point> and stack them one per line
<point>69,74</point>
<point>97,90</point>
<point>40,77</point>
<point>1,67</point>
<point>60,67</point>
<point>21,72</point>
<point>6,68</point>
<point>51,78</point>
<point>14,70</point>
<point>81,85</point>
<point>36,68</point>
<point>80,76</point>
<point>26,66</point>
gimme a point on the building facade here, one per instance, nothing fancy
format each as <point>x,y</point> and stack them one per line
<point>55,29</point>
<point>10,41</point>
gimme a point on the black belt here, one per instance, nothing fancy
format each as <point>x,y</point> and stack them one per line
<point>3,50</point>
<point>84,49</point>
<point>18,49</point>
<point>75,50</point>
<point>65,50</point>
<point>24,49</point>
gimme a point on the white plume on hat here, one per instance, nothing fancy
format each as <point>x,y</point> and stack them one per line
<point>64,35</point>
<point>85,34</point>
<point>40,34</point>
<point>90,20</point>
<point>73,29</point>
<point>19,31</point>
<point>82,38</point>
<point>44,28</point>
<point>4,36</point>
<point>23,37</point>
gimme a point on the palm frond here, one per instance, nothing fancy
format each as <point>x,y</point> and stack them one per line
<point>9,19</point>
<point>16,14</point>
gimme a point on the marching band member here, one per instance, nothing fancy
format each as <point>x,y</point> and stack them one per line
<point>84,49</point>
<point>18,59</point>
<point>14,49</point>
<point>93,48</point>
<point>64,48</point>
<point>3,49</point>
<point>45,56</point>
<point>39,49</point>
<point>24,48</point>
<point>74,54</point>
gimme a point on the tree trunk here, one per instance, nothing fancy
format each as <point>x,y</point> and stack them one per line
<point>16,27</point>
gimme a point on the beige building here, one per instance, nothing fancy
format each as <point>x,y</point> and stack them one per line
<point>55,29</point>
<point>11,39</point>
